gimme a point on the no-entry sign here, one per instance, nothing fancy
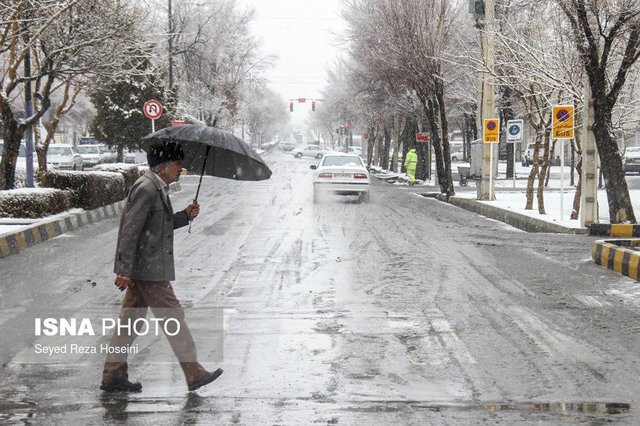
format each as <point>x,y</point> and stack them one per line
<point>152,109</point>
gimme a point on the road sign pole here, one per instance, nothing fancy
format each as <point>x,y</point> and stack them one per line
<point>490,172</point>
<point>561,179</point>
<point>514,165</point>
<point>153,125</point>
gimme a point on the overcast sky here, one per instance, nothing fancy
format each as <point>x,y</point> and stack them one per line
<point>301,34</point>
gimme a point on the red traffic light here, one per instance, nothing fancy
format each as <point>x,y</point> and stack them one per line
<point>290,106</point>
<point>302,100</point>
<point>313,105</point>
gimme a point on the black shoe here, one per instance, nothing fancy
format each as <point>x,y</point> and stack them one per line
<point>121,385</point>
<point>205,380</point>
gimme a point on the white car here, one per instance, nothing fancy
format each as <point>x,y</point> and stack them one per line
<point>355,150</point>
<point>64,157</point>
<point>315,151</point>
<point>91,155</point>
<point>341,174</point>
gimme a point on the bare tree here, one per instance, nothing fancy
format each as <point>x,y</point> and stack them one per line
<point>607,35</point>
<point>69,41</point>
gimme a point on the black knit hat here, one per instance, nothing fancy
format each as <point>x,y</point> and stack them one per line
<point>161,152</point>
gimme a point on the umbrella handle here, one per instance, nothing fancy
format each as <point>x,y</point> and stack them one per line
<point>204,164</point>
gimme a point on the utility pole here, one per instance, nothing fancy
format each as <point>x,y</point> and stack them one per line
<point>589,191</point>
<point>486,96</point>
<point>170,15</point>
<point>28,112</point>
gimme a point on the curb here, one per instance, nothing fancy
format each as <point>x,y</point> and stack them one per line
<point>517,220</point>
<point>15,242</point>
<point>618,255</point>
<point>615,230</point>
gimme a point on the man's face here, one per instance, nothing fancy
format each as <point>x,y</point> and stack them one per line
<point>170,172</point>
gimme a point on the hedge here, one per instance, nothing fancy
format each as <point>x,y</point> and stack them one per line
<point>33,203</point>
<point>92,189</point>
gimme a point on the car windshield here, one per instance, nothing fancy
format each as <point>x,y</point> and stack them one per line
<point>341,160</point>
<point>88,149</point>
<point>59,150</point>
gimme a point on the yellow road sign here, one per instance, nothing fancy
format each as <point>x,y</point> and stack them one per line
<point>562,121</point>
<point>491,130</point>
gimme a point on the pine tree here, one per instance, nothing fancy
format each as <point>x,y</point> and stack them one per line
<point>120,121</point>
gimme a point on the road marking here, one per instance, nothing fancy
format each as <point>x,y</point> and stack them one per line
<point>590,301</point>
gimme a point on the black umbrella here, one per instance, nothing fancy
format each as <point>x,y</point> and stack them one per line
<point>214,152</point>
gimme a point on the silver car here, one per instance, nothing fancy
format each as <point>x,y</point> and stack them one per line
<point>315,151</point>
<point>64,157</point>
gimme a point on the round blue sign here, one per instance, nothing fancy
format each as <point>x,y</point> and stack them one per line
<point>514,129</point>
<point>562,115</point>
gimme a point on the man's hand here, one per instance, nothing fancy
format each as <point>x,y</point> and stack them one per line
<point>122,282</point>
<point>193,210</point>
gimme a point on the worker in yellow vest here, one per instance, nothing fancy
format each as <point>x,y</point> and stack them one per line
<point>410,163</point>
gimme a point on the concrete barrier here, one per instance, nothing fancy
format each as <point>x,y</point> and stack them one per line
<point>615,230</point>
<point>621,256</point>
<point>14,242</point>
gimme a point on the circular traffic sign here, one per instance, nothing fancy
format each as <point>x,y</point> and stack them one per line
<point>152,109</point>
<point>514,129</point>
<point>491,125</point>
<point>562,115</point>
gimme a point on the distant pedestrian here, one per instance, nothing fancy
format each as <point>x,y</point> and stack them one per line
<point>144,266</point>
<point>410,163</point>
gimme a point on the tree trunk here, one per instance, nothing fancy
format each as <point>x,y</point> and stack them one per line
<point>12,138</point>
<point>620,207</point>
<point>446,186</point>
<point>534,170</point>
<point>370,144</point>
<point>543,172</point>
<point>575,212</point>
<point>386,132</point>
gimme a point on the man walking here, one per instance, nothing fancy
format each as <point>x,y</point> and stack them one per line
<point>144,267</point>
<point>410,163</point>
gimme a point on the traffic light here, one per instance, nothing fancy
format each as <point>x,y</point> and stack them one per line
<point>290,106</point>
<point>313,105</point>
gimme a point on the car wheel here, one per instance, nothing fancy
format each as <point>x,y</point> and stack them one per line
<point>74,166</point>
<point>454,159</point>
<point>298,154</point>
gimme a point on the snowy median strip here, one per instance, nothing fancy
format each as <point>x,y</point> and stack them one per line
<point>28,234</point>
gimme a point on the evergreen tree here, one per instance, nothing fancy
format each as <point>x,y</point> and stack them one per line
<point>120,121</point>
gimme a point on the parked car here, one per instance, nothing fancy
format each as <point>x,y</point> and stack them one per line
<point>287,146</point>
<point>456,152</point>
<point>108,154</point>
<point>128,156</point>
<point>355,150</point>
<point>527,156</point>
<point>64,157</point>
<point>91,155</point>
<point>632,159</point>
<point>309,151</point>
<point>21,161</point>
<point>341,174</point>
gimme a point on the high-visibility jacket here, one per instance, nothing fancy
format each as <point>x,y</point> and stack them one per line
<point>411,160</point>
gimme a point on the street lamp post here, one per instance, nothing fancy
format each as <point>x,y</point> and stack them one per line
<point>484,12</point>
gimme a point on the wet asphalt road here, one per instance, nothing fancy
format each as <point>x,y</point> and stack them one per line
<point>404,310</point>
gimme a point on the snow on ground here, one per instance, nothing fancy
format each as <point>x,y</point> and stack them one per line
<point>514,199</point>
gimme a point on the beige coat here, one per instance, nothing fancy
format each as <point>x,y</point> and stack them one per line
<point>145,240</point>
